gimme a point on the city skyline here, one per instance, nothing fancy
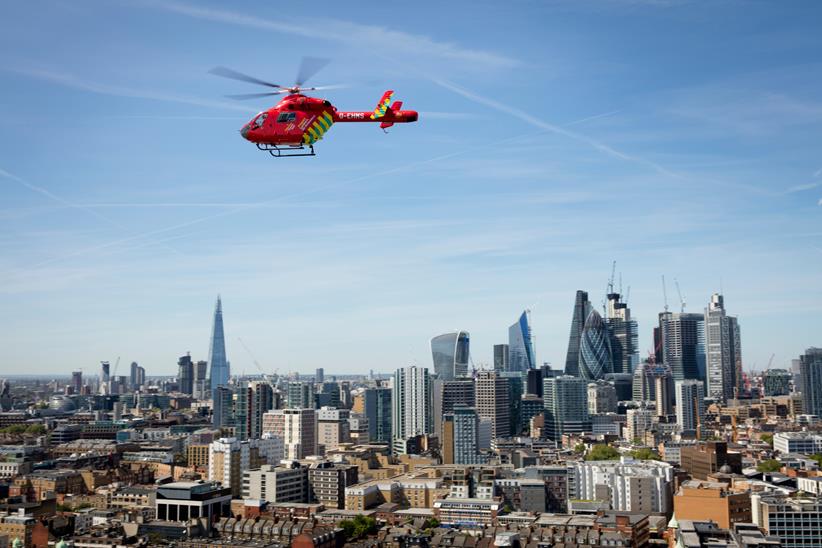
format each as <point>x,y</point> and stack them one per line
<point>142,202</point>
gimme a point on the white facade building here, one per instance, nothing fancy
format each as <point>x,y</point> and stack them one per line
<point>628,485</point>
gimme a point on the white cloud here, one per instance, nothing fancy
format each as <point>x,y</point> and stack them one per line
<point>800,188</point>
<point>371,37</point>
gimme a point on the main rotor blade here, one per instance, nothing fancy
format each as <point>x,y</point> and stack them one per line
<point>243,96</point>
<point>333,86</point>
<point>309,66</point>
<point>234,75</point>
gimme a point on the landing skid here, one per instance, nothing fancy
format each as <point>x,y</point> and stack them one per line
<point>286,151</point>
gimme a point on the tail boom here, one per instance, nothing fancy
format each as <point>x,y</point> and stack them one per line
<point>395,116</point>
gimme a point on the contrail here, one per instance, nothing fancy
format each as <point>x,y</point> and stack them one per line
<point>553,128</point>
<point>244,207</point>
<point>52,196</point>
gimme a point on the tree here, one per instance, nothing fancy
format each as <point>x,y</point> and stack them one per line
<point>36,430</point>
<point>579,448</point>
<point>770,465</point>
<point>818,458</point>
<point>767,438</point>
<point>358,527</point>
<point>645,453</point>
<point>602,452</point>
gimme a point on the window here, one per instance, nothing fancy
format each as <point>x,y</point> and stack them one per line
<point>258,123</point>
<point>287,117</point>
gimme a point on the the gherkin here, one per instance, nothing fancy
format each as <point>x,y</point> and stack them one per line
<point>595,359</point>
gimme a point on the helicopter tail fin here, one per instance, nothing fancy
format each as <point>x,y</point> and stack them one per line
<point>394,108</point>
<point>382,105</point>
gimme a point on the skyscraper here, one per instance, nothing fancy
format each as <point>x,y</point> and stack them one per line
<point>296,427</point>
<point>450,353</point>
<point>595,359</point>
<point>624,335</point>
<point>582,307</point>
<point>682,344</point>
<point>300,395</point>
<point>133,376</point>
<point>566,406</point>
<point>223,407</point>
<point>377,404</point>
<point>447,394</point>
<point>810,367</point>
<point>521,345</point>
<point>216,353</point>
<point>690,404</point>
<point>185,374</point>
<point>461,436</point>
<point>723,351</point>
<point>501,357</point>
<point>251,401</point>
<point>412,410</point>
<point>319,375</point>
<point>105,379</point>
<point>493,402</point>
<point>77,381</point>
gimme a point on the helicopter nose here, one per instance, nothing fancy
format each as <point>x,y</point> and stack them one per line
<point>244,132</point>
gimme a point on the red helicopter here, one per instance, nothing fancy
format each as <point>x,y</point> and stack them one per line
<point>292,126</point>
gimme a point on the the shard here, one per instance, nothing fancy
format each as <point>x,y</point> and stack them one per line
<point>216,351</point>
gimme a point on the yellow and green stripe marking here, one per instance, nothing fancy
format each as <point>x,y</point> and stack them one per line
<point>316,130</point>
<point>382,107</point>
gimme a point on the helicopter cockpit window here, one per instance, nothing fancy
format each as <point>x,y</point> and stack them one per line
<point>287,117</point>
<point>260,120</point>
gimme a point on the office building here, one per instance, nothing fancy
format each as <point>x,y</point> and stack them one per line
<point>183,500</point>
<point>460,437</point>
<point>333,427</point>
<point>566,406</point>
<point>624,335</point>
<point>220,368</point>
<point>501,357</point>
<point>776,382</point>
<point>319,375</point>
<point>327,482</point>
<point>229,458</point>
<point>810,367</point>
<point>712,501</point>
<point>690,405</point>
<point>450,353</point>
<point>447,394</point>
<point>623,384</point>
<point>595,359</point>
<point>297,428</point>
<point>637,423</point>
<point>806,443</point>
<point>627,485</point>
<point>521,345</point>
<point>202,385</point>
<point>723,351</point>
<point>329,395</point>
<point>223,407</point>
<point>706,458</point>
<point>277,484</point>
<point>582,308</point>
<point>531,405</point>
<point>185,375</point>
<point>412,407</point>
<point>795,521</point>
<point>682,344</point>
<point>377,410</point>
<point>251,401</point>
<point>105,387</point>
<point>300,395</point>
<point>492,400</point>
<point>77,382</point>
<point>132,378</point>
<point>602,398</point>
<point>516,388</point>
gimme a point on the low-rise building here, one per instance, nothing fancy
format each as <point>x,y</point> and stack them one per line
<point>277,484</point>
<point>467,512</point>
<point>699,500</point>
<point>182,501</point>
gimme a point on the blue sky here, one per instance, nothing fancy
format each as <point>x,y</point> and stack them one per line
<point>678,138</point>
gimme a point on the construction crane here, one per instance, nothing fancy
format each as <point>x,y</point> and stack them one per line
<point>665,293</point>
<point>770,362</point>
<point>681,300</point>
<point>116,365</point>
<point>257,364</point>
